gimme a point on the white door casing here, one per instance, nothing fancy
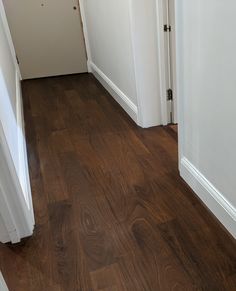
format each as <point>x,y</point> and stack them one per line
<point>3,285</point>
<point>16,209</point>
<point>173,59</point>
<point>167,59</point>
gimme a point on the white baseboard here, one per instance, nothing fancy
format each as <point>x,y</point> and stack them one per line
<point>212,198</point>
<point>4,236</point>
<point>116,93</point>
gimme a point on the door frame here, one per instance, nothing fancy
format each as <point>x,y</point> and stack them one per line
<point>85,32</point>
<point>157,115</point>
<point>162,64</point>
<point>178,102</point>
<point>17,215</point>
<point>18,219</point>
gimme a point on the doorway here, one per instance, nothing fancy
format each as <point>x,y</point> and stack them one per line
<point>48,37</point>
<point>167,40</point>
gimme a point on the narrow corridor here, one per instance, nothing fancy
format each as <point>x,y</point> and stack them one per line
<point>111,211</point>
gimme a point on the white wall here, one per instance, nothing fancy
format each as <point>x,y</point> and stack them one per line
<point>207,101</point>
<point>124,55</point>
<point>109,34</point>
<point>14,177</point>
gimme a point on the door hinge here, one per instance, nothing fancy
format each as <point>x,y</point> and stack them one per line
<point>169,94</point>
<point>167,27</point>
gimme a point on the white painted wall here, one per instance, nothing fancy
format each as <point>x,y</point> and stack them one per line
<point>14,176</point>
<point>122,37</point>
<point>207,102</point>
<point>108,23</point>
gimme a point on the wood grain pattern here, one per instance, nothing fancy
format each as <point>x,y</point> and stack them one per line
<point>112,213</point>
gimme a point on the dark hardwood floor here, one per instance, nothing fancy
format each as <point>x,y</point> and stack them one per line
<point>111,211</point>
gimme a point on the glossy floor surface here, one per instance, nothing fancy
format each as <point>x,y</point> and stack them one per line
<point>112,212</point>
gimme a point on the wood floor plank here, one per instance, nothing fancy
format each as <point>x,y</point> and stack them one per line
<point>68,254</point>
<point>108,278</point>
<point>112,213</point>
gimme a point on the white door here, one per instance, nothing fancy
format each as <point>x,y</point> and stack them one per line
<point>48,37</point>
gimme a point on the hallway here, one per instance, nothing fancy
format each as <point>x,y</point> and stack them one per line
<point>111,211</point>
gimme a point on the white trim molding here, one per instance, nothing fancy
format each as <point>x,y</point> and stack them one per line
<point>161,56</point>
<point>3,285</point>
<point>16,215</point>
<point>85,31</point>
<point>211,197</point>
<point>116,93</point>
<point>16,209</point>
<point>22,156</point>
<point>4,235</point>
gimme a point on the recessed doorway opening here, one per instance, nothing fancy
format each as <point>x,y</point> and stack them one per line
<point>167,57</point>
